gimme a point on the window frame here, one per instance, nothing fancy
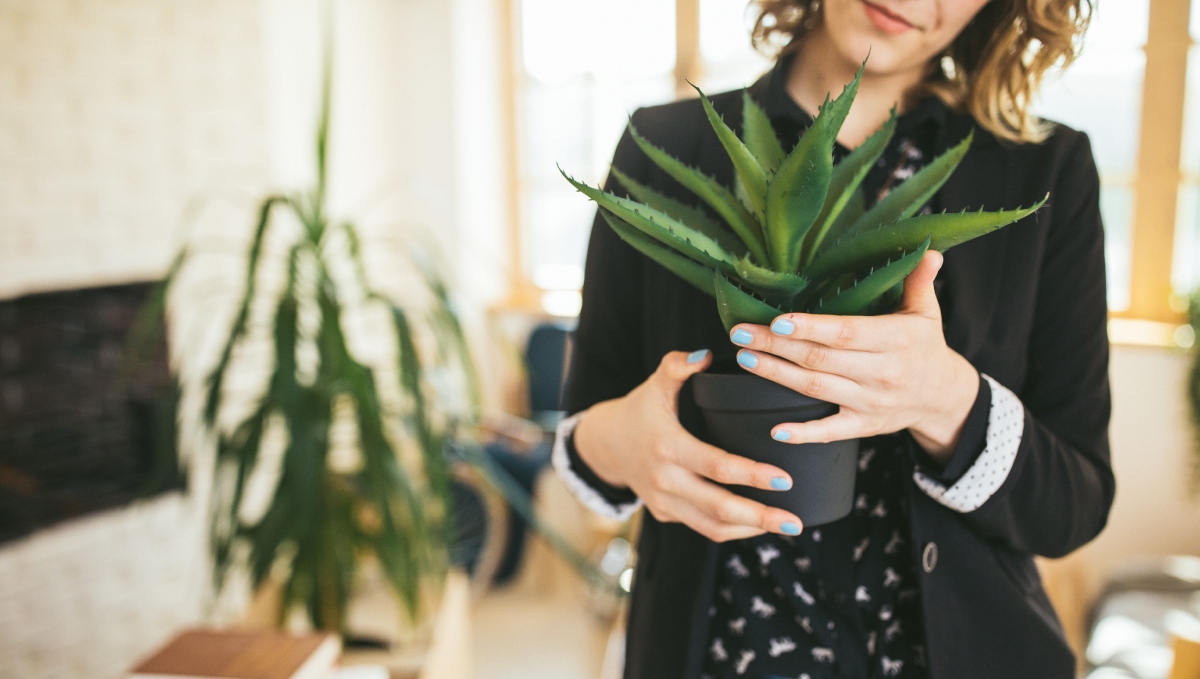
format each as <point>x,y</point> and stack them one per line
<point>1159,174</point>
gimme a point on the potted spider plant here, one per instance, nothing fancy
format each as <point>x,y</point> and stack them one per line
<point>795,237</point>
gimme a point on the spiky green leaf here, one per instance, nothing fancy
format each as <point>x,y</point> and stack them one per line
<point>858,298</point>
<point>774,284</point>
<point>698,275</point>
<point>660,226</point>
<point>797,192</point>
<point>694,217</point>
<point>887,302</point>
<point>855,207</point>
<point>886,242</point>
<point>736,306</point>
<point>749,172</point>
<point>760,135</point>
<point>846,180</point>
<point>710,191</point>
<point>912,193</point>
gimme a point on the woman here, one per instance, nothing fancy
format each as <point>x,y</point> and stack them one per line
<point>982,402</point>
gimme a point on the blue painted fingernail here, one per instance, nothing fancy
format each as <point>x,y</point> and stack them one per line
<point>697,356</point>
<point>747,359</point>
<point>782,435</point>
<point>790,528</point>
<point>741,337</point>
<point>783,326</point>
<point>781,483</point>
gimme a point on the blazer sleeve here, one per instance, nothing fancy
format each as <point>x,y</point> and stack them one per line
<point>1055,489</point>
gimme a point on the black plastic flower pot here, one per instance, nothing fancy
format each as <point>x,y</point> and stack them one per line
<point>740,409</point>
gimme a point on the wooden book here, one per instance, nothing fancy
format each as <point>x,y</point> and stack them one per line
<point>207,654</point>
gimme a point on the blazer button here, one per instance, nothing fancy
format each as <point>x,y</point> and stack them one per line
<point>929,557</point>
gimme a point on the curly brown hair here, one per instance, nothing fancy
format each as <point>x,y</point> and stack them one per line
<point>991,70</point>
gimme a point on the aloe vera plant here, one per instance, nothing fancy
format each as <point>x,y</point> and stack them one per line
<point>796,235</point>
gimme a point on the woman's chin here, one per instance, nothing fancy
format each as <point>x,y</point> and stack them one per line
<point>859,45</point>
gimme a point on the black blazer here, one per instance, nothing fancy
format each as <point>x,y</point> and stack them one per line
<point>1025,305</point>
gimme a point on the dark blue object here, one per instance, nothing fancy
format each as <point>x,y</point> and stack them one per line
<point>546,356</point>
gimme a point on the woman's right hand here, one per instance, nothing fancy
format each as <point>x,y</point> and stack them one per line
<point>636,441</point>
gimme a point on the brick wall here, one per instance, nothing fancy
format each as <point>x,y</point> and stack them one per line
<point>114,114</point>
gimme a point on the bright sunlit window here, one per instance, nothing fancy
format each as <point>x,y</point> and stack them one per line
<point>586,66</point>
<point>1101,94</point>
<point>729,60</point>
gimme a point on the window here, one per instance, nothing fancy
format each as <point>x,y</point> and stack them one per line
<point>584,66</point>
<point>1101,94</point>
<point>728,61</point>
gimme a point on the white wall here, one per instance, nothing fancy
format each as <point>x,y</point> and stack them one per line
<point>1154,512</point>
<point>113,115</point>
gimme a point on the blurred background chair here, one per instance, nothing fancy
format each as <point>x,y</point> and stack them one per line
<point>547,352</point>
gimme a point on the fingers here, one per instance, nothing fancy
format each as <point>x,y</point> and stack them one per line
<point>676,510</point>
<point>723,506</point>
<point>858,333</point>
<point>716,464</point>
<point>817,384</point>
<point>840,427</point>
<point>721,515</point>
<point>681,491</point>
<point>808,354</point>
<point>919,296</point>
<point>676,366</point>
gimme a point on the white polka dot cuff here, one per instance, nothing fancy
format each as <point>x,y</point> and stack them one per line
<point>586,495</point>
<point>1006,424</point>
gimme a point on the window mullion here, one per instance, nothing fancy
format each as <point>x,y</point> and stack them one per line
<point>1158,172</point>
<point>688,66</point>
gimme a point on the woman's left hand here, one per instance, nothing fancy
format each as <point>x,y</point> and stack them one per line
<point>888,373</point>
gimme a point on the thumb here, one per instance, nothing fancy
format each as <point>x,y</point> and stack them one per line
<point>677,366</point>
<point>918,286</point>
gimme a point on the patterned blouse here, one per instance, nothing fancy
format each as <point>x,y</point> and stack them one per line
<point>839,600</point>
